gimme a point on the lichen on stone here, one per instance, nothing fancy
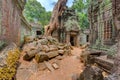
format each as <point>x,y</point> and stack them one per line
<point>72,25</point>
<point>8,72</point>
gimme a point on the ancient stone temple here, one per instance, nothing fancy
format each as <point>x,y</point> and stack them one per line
<point>116,15</point>
<point>37,29</point>
<point>13,26</point>
<point>69,31</point>
<point>102,27</point>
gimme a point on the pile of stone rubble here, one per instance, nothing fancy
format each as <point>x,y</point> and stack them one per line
<point>45,49</point>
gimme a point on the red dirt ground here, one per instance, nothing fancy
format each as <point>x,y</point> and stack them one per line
<point>68,66</point>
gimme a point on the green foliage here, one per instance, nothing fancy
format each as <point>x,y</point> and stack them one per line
<point>81,7</point>
<point>34,12</point>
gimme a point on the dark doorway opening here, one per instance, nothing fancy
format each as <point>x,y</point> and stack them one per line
<point>38,32</point>
<point>87,38</point>
<point>72,40</point>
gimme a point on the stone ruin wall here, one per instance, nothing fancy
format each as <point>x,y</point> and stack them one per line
<point>12,21</point>
<point>0,21</point>
<point>116,15</point>
<point>25,30</point>
<point>101,22</point>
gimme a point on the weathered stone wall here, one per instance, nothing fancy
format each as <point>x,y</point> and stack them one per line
<point>69,30</point>
<point>0,14</point>
<point>83,39</point>
<point>25,29</point>
<point>116,15</point>
<point>0,20</point>
<point>11,20</point>
<point>36,27</point>
<point>101,22</point>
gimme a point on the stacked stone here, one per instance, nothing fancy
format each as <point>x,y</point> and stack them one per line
<point>45,49</point>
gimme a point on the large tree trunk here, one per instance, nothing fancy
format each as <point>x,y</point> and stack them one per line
<point>55,17</point>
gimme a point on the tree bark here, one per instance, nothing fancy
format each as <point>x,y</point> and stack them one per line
<point>55,17</point>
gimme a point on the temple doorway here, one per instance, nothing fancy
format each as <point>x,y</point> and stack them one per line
<point>72,40</point>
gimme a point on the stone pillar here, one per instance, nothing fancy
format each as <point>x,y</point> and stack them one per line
<point>67,37</point>
<point>78,40</point>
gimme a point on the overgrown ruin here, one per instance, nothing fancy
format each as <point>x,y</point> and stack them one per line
<point>102,17</point>
<point>27,54</point>
<point>67,33</point>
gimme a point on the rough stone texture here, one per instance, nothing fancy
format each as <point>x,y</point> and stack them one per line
<point>91,73</point>
<point>69,33</point>
<point>61,52</point>
<point>101,23</point>
<point>52,54</point>
<point>116,15</point>
<point>104,63</point>
<point>29,55</point>
<point>41,56</point>
<point>23,74</point>
<point>11,20</point>
<point>42,66</point>
<point>53,48</point>
<point>49,66</point>
<point>10,23</point>
<point>0,15</point>
<point>112,77</point>
<point>4,54</point>
<point>55,66</point>
<point>45,49</point>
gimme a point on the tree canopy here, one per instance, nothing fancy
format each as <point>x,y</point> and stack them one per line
<point>34,12</point>
<point>81,7</point>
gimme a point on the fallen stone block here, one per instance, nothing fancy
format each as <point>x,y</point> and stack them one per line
<point>91,73</point>
<point>45,48</point>
<point>41,56</point>
<point>23,74</point>
<point>61,52</point>
<point>31,54</point>
<point>59,57</point>
<point>43,41</point>
<point>42,66</point>
<point>52,54</point>
<point>49,66</point>
<point>55,66</point>
<point>53,48</point>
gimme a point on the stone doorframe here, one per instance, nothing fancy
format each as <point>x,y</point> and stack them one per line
<point>75,36</point>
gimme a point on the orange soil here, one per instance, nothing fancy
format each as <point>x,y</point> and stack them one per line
<point>68,66</point>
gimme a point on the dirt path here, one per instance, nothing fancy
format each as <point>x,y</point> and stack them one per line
<point>68,66</point>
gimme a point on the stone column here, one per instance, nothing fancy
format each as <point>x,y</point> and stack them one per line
<point>67,37</point>
<point>78,40</point>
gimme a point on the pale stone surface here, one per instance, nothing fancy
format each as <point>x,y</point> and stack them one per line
<point>55,66</point>
<point>49,66</point>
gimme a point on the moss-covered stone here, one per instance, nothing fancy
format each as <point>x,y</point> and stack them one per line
<point>72,25</point>
<point>8,72</point>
